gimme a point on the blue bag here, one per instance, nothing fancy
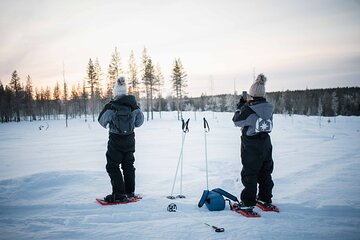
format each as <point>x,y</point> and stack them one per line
<point>214,199</point>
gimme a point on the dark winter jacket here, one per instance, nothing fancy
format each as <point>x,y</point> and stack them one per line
<point>124,143</point>
<point>254,117</point>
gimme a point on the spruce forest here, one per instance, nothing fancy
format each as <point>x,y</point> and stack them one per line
<point>19,101</point>
<point>21,105</point>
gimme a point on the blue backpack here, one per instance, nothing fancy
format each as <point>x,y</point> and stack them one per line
<point>214,199</point>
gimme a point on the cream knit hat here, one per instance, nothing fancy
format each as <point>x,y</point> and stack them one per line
<point>257,89</point>
<point>119,87</point>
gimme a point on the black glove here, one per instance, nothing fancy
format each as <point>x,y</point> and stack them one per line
<point>241,103</point>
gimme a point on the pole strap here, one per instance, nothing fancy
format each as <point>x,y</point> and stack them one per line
<point>225,194</point>
<point>185,125</point>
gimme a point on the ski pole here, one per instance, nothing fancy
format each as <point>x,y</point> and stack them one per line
<point>177,168</point>
<point>185,129</point>
<point>206,130</point>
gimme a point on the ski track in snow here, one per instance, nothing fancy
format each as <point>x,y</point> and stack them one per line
<point>49,180</point>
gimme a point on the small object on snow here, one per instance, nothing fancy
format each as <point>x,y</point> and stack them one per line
<point>41,127</point>
<point>217,229</point>
<point>172,207</point>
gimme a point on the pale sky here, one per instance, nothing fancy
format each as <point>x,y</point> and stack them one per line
<point>296,44</point>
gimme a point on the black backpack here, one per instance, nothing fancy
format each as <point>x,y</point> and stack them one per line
<point>123,119</point>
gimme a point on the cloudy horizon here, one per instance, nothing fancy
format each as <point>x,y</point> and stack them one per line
<point>298,45</point>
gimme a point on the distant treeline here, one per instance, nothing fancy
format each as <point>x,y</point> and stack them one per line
<point>324,102</point>
<point>22,104</point>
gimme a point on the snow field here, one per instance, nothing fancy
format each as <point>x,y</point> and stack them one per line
<point>49,180</point>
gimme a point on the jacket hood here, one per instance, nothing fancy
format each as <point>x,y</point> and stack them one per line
<point>127,100</point>
<point>265,110</point>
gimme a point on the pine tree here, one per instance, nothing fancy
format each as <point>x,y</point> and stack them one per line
<point>16,88</point>
<point>47,99</point>
<point>133,78</point>
<point>327,110</point>
<point>80,101</point>
<point>2,102</point>
<point>288,105</point>
<point>145,75</point>
<point>98,75</point>
<point>320,110</point>
<point>65,97</point>
<point>74,99</point>
<point>334,103</point>
<point>144,61</point>
<point>114,72</point>
<point>92,81</point>
<point>29,101</point>
<point>98,90</point>
<point>38,104</point>
<point>56,96</point>
<point>179,84</point>
<point>160,82</point>
<point>150,86</point>
<point>57,92</point>
<point>84,98</point>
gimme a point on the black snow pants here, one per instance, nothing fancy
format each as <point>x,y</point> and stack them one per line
<point>256,158</point>
<point>121,152</point>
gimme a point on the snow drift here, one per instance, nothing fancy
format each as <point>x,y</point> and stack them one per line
<point>49,180</point>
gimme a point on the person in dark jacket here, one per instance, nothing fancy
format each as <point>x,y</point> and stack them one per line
<point>255,117</point>
<point>121,147</point>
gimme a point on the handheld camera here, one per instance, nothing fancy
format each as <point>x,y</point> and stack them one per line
<point>244,95</point>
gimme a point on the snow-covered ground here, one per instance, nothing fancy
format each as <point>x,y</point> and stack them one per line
<point>49,180</point>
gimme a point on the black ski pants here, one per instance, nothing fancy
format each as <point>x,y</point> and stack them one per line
<point>256,158</point>
<point>122,182</point>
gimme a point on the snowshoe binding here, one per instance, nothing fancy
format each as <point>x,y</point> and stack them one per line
<point>267,206</point>
<point>246,211</point>
<point>134,196</point>
<point>114,199</point>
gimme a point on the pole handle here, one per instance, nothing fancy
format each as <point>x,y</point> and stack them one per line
<point>206,125</point>
<point>185,125</point>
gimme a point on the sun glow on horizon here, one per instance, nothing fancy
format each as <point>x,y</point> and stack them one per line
<point>297,45</point>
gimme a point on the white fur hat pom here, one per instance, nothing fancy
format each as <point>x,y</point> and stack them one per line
<point>119,87</point>
<point>257,89</point>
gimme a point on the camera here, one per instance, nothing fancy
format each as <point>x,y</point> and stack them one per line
<point>244,95</point>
